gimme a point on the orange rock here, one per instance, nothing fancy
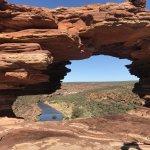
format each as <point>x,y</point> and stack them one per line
<point>37,43</point>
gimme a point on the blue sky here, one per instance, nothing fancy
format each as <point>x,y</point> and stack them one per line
<point>56,3</point>
<point>96,68</point>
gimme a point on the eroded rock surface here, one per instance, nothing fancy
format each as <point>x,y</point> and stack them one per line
<point>37,43</point>
<point>109,132</point>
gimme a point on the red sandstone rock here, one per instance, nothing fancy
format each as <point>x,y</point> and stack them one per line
<point>37,43</point>
<point>110,132</point>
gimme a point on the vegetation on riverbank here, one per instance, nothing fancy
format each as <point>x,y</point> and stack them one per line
<point>110,100</point>
<point>26,107</point>
<point>100,99</point>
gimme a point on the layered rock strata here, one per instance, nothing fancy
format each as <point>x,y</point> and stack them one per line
<point>117,132</point>
<point>37,43</point>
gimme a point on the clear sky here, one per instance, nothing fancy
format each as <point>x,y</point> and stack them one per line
<point>96,68</point>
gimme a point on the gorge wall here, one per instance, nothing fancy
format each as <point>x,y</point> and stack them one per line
<point>36,44</point>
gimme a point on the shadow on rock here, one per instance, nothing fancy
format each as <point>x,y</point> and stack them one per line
<point>127,146</point>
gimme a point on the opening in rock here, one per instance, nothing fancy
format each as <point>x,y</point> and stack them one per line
<point>120,30</point>
<point>99,69</point>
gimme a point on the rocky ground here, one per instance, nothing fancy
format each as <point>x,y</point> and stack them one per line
<point>116,132</point>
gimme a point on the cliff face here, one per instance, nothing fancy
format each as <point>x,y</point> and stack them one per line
<point>37,43</point>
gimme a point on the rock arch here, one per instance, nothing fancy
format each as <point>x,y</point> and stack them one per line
<point>37,43</point>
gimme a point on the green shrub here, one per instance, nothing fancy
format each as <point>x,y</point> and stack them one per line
<point>54,117</point>
<point>77,112</point>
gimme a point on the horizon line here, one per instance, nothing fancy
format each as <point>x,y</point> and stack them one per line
<point>98,81</point>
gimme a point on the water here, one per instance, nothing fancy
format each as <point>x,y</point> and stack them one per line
<point>49,113</point>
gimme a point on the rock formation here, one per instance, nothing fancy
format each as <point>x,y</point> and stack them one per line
<point>138,3</point>
<point>37,43</point>
<point>117,132</point>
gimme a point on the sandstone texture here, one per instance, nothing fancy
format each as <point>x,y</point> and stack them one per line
<point>36,44</point>
<point>118,132</point>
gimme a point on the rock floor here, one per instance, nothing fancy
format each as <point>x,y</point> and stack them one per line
<point>117,132</point>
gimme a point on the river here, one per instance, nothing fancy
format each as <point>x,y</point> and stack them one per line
<point>49,113</point>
